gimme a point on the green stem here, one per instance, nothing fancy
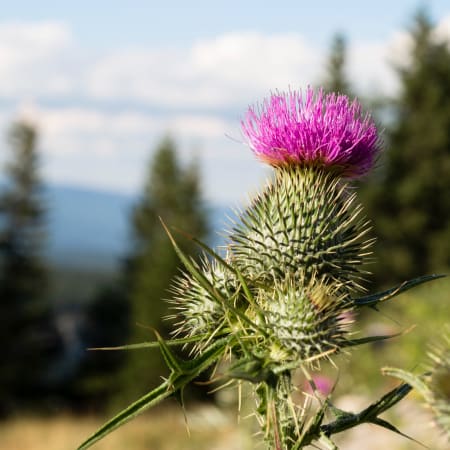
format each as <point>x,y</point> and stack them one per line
<point>279,419</point>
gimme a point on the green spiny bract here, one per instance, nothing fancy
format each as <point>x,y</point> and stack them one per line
<point>199,312</point>
<point>305,223</point>
<point>304,322</point>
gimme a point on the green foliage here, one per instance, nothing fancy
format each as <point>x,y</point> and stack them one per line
<point>172,193</point>
<point>107,322</point>
<point>26,332</point>
<point>409,199</point>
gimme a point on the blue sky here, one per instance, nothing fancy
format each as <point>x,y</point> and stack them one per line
<point>103,23</point>
<point>104,81</point>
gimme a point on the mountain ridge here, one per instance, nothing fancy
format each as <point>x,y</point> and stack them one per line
<point>88,227</point>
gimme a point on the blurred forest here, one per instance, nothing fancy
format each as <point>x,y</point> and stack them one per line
<point>45,366</point>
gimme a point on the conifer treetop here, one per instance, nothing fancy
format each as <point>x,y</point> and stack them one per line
<point>312,129</point>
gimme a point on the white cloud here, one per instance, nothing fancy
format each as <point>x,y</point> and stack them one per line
<point>42,59</point>
<point>241,65</point>
<point>75,124</point>
<point>185,91</point>
<point>442,30</point>
<point>35,59</point>
<point>197,126</point>
<point>371,64</point>
<point>218,72</point>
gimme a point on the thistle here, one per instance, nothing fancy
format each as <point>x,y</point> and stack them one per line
<point>281,297</point>
<point>307,221</point>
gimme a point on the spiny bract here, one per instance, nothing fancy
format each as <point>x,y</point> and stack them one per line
<point>305,222</point>
<point>199,312</point>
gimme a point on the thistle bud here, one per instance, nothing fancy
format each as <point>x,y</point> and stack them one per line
<point>200,313</point>
<point>305,322</point>
<point>306,222</point>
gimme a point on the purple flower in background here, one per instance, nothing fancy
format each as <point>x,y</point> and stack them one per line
<point>322,384</point>
<point>290,128</point>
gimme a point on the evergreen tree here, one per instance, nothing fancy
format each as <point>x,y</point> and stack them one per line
<point>336,78</point>
<point>171,193</point>
<point>106,324</point>
<point>25,330</point>
<point>409,201</point>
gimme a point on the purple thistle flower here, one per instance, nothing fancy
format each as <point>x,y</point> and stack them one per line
<point>315,129</point>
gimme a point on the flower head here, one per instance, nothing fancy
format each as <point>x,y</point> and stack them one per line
<point>317,129</point>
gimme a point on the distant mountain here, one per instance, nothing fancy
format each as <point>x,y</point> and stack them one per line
<point>87,227</point>
<point>90,229</point>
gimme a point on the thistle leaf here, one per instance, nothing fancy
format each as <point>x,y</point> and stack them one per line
<point>173,362</point>
<point>188,371</point>
<point>191,267</point>
<point>250,369</point>
<point>147,401</point>
<point>346,420</point>
<point>370,339</point>
<point>374,299</point>
<point>153,344</point>
<point>385,424</point>
<point>384,403</point>
<point>328,442</point>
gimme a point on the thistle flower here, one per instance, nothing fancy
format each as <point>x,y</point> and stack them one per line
<point>290,128</point>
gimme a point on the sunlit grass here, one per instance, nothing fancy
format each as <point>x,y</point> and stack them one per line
<point>210,429</point>
<point>162,429</point>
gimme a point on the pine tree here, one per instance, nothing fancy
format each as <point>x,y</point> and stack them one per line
<point>336,79</point>
<point>106,324</point>
<point>25,330</point>
<point>171,193</point>
<point>409,201</point>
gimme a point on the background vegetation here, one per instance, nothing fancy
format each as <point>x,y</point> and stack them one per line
<point>407,198</point>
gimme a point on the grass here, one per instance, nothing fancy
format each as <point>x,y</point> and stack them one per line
<point>162,429</point>
<point>210,429</point>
